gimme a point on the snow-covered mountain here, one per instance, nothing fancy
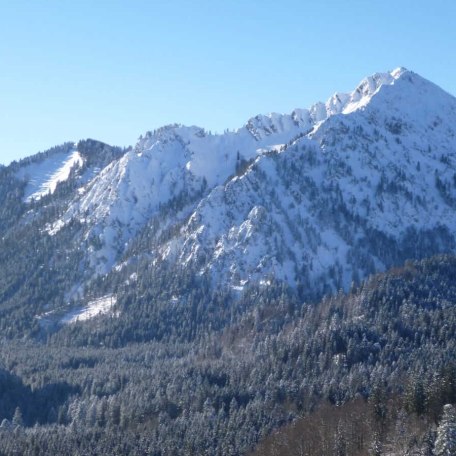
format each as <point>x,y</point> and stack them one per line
<point>317,198</point>
<point>366,188</point>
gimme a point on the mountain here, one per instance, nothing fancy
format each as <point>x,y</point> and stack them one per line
<point>195,293</point>
<point>318,199</point>
<point>363,190</point>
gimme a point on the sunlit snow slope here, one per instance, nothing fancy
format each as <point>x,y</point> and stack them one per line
<point>44,176</point>
<point>317,198</point>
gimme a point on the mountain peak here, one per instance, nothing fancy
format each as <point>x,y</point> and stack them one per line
<point>346,103</point>
<point>262,125</point>
<point>398,72</point>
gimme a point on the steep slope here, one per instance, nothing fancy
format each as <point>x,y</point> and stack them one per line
<point>43,173</point>
<point>174,165</point>
<point>364,190</point>
<point>171,169</point>
<point>42,272</point>
<point>43,177</point>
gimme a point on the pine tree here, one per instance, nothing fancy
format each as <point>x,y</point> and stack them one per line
<point>445,443</point>
<point>17,418</point>
<point>5,425</point>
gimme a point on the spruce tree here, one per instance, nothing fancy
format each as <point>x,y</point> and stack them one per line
<point>445,443</point>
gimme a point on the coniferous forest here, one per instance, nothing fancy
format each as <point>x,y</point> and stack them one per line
<point>368,372</point>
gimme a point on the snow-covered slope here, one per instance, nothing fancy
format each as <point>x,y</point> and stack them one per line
<point>364,189</point>
<point>43,176</point>
<point>318,198</point>
<point>95,308</point>
<point>176,166</point>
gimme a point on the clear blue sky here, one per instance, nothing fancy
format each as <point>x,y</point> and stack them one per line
<point>112,70</point>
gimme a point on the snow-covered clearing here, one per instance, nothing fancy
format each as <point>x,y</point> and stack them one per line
<point>43,177</point>
<point>93,309</point>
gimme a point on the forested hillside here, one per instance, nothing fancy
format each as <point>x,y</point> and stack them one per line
<point>383,354</point>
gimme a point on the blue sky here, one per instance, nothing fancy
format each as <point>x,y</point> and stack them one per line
<point>112,70</point>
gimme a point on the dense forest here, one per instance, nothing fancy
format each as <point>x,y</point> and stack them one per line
<point>368,372</point>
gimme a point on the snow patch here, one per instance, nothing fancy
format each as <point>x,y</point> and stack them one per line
<point>100,306</point>
<point>43,177</point>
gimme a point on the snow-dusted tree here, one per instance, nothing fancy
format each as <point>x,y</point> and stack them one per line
<point>5,425</point>
<point>17,418</point>
<point>445,443</point>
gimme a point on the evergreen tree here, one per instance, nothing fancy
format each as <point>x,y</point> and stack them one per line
<point>17,418</point>
<point>445,443</point>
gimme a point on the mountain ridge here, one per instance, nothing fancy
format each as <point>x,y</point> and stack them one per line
<point>317,198</point>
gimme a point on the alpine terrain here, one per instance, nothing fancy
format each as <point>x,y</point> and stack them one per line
<point>195,292</point>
